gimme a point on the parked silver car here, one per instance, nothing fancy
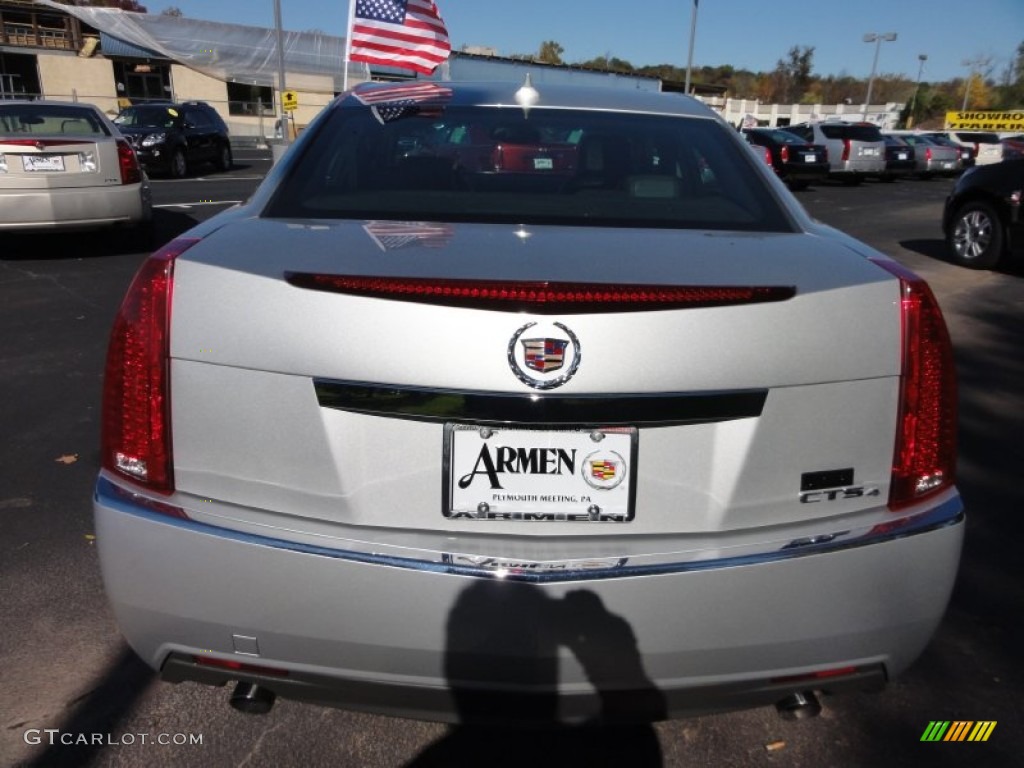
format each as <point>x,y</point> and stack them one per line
<point>931,157</point>
<point>527,404</point>
<point>66,166</point>
<point>987,147</point>
<point>855,150</point>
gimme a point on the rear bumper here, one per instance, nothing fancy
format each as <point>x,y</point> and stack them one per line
<point>859,168</point>
<point>75,207</point>
<point>434,639</point>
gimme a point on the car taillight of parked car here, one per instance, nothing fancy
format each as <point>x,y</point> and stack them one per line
<point>131,171</point>
<point>924,460</point>
<point>136,428</point>
<point>846,150</point>
<point>784,153</point>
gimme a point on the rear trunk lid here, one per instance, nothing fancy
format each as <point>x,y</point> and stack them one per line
<point>313,413</point>
<point>54,162</point>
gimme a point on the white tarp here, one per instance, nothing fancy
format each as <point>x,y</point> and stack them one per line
<point>228,52</point>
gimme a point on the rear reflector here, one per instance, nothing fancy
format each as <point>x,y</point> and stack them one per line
<point>540,297</point>
<point>821,674</point>
<point>238,666</point>
<point>924,460</point>
<point>136,441</point>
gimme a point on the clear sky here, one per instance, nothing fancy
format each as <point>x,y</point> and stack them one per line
<point>748,34</point>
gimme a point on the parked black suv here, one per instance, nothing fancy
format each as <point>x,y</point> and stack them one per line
<point>174,138</point>
<point>982,219</point>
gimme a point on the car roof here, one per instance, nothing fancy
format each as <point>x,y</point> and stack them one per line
<point>549,96</point>
<point>52,103</point>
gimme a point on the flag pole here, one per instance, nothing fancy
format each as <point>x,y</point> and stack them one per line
<point>348,42</point>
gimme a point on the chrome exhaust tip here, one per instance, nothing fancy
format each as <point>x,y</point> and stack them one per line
<point>252,699</point>
<point>799,706</point>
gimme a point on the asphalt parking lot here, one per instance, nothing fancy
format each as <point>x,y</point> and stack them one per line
<point>66,674</point>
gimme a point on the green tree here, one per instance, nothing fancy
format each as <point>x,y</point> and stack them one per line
<point>793,74</point>
<point>550,52</point>
<point>172,10</point>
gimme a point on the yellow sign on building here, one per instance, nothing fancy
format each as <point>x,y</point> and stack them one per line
<point>289,100</point>
<point>1011,121</point>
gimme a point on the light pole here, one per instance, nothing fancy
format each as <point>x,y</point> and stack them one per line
<point>877,39</point>
<point>921,57</point>
<point>285,132</point>
<point>693,34</point>
<point>969,63</point>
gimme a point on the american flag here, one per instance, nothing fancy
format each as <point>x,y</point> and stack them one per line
<point>390,235</point>
<point>408,34</point>
<point>392,102</point>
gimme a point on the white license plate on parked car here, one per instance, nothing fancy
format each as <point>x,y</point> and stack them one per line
<point>540,475</point>
<point>868,151</point>
<point>32,163</point>
<point>901,156</point>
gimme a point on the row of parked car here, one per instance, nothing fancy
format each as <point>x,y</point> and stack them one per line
<point>853,152</point>
<point>982,214</point>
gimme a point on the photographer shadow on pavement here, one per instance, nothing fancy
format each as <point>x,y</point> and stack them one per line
<point>512,637</point>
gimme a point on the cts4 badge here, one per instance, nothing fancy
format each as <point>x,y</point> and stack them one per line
<point>544,355</point>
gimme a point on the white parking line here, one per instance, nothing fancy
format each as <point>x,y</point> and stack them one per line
<point>204,178</point>
<point>197,204</point>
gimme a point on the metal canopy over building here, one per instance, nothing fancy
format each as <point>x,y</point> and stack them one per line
<point>228,52</point>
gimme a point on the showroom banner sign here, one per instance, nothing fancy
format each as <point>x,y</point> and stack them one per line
<point>1011,121</point>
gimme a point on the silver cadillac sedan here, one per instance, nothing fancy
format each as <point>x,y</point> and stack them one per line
<point>505,402</point>
<point>66,166</point>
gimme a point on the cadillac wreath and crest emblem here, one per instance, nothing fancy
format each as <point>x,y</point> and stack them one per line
<point>546,359</point>
<point>544,354</point>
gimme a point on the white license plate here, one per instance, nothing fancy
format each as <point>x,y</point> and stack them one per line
<point>901,156</point>
<point>868,151</point>
<point>810,159</point>
<point>535,475</point>
<point>32,163</point>
<point>543,164</point>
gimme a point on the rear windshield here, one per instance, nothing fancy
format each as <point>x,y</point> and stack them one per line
<point>50,120</point>
<point>551,166</point>
<point>148,117</point>
<point>852,132</point>
<point>782,137</point>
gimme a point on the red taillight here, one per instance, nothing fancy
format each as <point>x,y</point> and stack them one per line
<point>43,143</point>
<point>768,156</point>
<point>924,460</point>
<point>846,150</point>
<point>136,442</point>
<point>131,173</point>
<point>784,154</point>
<point>928,154</point>
<point>541,297</point>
